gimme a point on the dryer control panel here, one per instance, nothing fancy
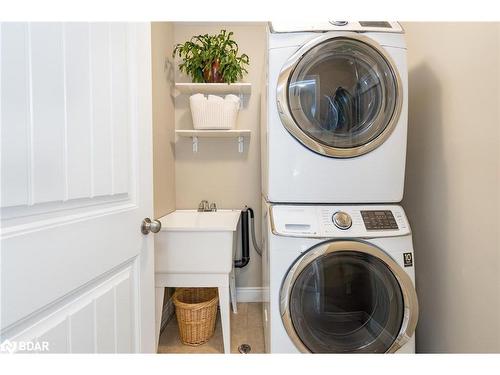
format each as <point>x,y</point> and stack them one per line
<point>339,221</point>
<point>335,25</point>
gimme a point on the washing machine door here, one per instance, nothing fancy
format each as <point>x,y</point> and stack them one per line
<point>340,96</point>
<point>348,297</point>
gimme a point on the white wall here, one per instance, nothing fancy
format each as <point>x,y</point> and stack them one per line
<point>217,172</point>
<point>452,183</point>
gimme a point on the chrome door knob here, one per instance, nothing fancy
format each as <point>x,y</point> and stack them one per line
<point>150,226</point>
<point>342,220</point>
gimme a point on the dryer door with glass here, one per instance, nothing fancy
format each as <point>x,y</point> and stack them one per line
<point>340,96</point>
<point>348,297</point>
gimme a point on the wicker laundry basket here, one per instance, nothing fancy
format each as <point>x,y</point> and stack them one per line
<point>196,310</point>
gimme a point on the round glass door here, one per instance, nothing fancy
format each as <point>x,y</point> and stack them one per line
<point>343,96</point>
<point>345,301</point>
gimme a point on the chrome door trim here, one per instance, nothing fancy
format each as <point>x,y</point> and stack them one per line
<point>292,127</point>
<point>410,300</point>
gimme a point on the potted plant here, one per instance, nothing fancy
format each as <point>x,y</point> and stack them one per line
<point>212,58</point>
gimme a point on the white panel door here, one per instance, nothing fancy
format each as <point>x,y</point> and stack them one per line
<point>76,181</point>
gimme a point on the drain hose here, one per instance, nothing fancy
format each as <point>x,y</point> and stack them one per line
<point>252,226</point>
<point>245,242</point>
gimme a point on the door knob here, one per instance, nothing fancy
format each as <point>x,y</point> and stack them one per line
<point>150,226</point>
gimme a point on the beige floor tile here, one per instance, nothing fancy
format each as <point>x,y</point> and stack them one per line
<point>255,339</point>
<point>237,339</point>
<point>255,315</point>
<point>246,328</point>
<point>171,343</point>
<point>254,307</point>
<point>239,322</point>
<point>242,308</point>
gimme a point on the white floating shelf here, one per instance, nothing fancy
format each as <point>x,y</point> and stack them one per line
<point>213,133</point>
<point>195,134</point>
<point>241,88</point>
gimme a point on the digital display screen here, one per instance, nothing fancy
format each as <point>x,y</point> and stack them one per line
<point>384,24</point>
<point>379,220</point>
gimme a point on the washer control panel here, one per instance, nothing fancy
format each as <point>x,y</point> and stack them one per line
<point>379,220</point>
<point>343,221</point>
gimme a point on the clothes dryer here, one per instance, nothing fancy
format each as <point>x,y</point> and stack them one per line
<point>334,113</point>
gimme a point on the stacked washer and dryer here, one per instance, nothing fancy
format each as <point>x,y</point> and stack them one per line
<point>338,270</point>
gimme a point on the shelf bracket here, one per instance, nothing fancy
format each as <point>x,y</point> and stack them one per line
<point>242,97</point>
<point>195,144</point>
<point>240,144</point>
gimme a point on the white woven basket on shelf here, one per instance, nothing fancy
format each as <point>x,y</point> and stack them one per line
<point>214,112</point>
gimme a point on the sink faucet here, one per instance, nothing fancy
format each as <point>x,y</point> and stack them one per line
<point>205,207</point>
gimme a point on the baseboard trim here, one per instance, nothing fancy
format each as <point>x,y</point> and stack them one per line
<point>249,294</point>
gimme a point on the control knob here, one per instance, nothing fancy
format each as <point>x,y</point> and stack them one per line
<point>342,220</point>
<point>338,23</point>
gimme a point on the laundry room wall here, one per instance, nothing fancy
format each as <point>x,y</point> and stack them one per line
<point>452,183</point>
<point>217,172</point>
<point>162,72</point>
<point>162,40</point>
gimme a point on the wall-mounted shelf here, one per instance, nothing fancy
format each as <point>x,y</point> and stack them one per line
<point>242,88</point>
<point>195,134</point>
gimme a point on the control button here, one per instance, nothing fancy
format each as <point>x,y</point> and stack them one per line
<point>342,220</point>
<point>338,23</point>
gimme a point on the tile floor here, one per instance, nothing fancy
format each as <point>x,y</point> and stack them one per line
<point>246,328</point>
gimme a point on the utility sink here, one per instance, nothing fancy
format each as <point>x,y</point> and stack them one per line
<point>192,242</point>
<point>196,249</point>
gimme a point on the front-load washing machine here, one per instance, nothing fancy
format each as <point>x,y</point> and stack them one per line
<point>338,279</point>
<point>334,113</point>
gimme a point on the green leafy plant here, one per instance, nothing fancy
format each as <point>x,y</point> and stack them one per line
<point>212,58</point>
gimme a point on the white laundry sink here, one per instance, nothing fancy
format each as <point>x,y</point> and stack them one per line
<point>192,242</point>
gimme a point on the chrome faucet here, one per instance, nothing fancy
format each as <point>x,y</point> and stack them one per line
<point>205,207</point>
